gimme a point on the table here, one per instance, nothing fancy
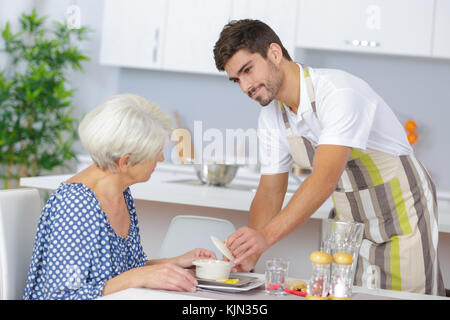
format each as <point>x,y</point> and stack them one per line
<point>359,293</point>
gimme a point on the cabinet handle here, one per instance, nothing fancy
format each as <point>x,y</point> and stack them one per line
<point>362,43</point>
<point>155,48</point>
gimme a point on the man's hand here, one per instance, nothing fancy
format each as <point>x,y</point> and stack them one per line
<point>246,242</point>
<point>245,266</point>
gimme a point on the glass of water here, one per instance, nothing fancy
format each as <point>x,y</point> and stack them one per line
<point>276,273</point>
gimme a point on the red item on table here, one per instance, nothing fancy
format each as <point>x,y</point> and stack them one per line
<point>296,292</point>
<point>274,286</point>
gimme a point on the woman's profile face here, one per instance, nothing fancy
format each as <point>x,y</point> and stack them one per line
<point>142,171</point>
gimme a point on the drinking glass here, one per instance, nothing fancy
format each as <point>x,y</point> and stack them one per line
<point>340,236</point>
<point>276,273</point>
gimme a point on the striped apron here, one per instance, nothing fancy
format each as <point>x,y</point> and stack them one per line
<point>395,199</point>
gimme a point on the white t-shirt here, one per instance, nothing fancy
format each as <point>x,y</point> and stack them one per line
<point>350,113</point>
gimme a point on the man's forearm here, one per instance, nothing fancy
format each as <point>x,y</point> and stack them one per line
<point>312,193</point>
<point>266,205</point>
<point>263,209</point>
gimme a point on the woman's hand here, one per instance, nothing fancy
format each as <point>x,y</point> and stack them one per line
<point>185,260</point>
<point>166,276</point>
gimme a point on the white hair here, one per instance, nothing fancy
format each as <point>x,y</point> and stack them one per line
<point>124,124</point>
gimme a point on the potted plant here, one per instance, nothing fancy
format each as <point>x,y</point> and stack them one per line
<point>37,130</point>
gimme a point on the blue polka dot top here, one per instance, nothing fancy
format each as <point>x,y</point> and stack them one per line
<point>76,250</point>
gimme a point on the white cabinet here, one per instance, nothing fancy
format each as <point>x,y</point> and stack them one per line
<point>441,40</point>
<point>280,15</point>
<point>179,35</point>
<point>193,27</point>
<point>133,33</point>
<point>401,27</point>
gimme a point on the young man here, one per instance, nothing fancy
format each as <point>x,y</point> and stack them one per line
<point>335,124</point>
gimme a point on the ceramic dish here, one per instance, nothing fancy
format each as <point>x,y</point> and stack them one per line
<point>249,286</point>
<point>222,248</point>
<point>211,269</point>
<point>243,280</point>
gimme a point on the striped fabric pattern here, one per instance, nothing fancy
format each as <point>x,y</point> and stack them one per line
<point>395,198</point>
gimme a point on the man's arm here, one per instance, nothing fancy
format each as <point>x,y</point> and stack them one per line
<point>266,204</point>
<point>329,163</point>
<point>268,199</point>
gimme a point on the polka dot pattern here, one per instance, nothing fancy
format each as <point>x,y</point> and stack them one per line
<point>76,251</point>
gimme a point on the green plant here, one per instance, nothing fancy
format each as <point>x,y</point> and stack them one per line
<point>37,130</point>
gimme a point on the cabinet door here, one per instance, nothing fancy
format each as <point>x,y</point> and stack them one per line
<point>193,27</point>
<point>441,40</point>
<point>132,33</point>
<point>279,15</point>
<point>377,26</point>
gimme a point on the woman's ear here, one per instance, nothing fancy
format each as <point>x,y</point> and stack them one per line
<point>124,162</point>
<point>275,53</point>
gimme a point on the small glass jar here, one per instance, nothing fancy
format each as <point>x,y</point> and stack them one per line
<point>318,286</point>
<point>342,276</point>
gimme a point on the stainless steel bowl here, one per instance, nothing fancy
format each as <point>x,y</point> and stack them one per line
<point>216,174</point>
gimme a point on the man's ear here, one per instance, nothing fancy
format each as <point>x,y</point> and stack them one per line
<point>275,53</point>
<point>123,162</point>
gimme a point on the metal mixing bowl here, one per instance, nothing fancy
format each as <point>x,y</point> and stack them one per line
<point>216,174</point>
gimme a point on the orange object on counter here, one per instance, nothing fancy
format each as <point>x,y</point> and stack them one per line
<point>410,125</point>
<point>412,138</point>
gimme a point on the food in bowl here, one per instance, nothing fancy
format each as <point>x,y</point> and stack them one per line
<point>211,269</point>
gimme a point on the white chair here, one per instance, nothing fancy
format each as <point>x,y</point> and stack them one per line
<point>189,232</point>
<point>20,210</point>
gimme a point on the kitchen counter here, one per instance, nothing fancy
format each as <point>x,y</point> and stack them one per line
<point>178,184</point>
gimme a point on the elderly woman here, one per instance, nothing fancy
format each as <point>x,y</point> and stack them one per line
<point>88,243</point>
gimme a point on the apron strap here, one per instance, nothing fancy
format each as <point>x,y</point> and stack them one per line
<point>311,95</point>
<point>309,88</point>
<point>285,118</point>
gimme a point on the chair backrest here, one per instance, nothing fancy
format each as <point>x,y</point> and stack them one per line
<point>188,232</point>
<point>20,210</point>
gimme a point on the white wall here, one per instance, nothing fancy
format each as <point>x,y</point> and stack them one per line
<point>97,82</point>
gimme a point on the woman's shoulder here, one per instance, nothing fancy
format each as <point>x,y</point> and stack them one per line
<point>71,199</point>
<point>70,192</point>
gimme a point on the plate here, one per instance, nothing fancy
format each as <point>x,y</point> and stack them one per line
<point>222,248</point>
<point>243,280</point>
<point>249,286</point>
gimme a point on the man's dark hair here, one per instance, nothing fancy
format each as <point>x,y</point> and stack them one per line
<point>252,35</point>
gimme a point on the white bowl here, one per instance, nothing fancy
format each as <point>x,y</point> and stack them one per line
<point>211,269</point>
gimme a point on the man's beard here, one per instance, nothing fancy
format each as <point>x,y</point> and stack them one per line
<point>273,85</point>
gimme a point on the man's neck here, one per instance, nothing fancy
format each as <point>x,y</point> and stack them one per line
<point>289,92</point>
